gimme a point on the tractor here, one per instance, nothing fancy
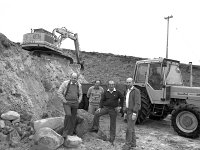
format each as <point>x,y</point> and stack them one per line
<point>162,93</point>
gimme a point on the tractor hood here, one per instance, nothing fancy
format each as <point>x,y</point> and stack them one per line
<point>191,94</point>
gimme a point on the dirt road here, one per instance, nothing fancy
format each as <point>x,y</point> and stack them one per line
<point>153,135</point>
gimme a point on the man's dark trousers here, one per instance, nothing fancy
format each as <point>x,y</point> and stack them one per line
<point>130,132</point>
<point>70,118</point>
<point>113,115</point>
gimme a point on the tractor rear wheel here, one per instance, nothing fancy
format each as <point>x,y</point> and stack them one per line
<point>186,120</point>
<point>145,108</point>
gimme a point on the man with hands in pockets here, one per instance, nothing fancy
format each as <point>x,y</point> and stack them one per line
<point>133,105</point>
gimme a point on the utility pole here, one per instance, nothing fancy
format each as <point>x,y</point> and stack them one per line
<point>167,18</point>
<point>191,79</point>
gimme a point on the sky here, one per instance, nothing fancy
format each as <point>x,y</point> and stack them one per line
<point>123,27</point>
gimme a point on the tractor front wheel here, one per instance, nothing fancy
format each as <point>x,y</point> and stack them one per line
<point>186,120</point>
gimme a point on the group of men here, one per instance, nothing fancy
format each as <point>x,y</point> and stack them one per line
<point>101,103</point>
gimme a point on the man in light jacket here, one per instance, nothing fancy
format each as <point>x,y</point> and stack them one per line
<point>133,105</point>
<point>70,92</point>
<point>94,94</point>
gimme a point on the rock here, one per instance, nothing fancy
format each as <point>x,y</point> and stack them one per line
<point>3,137</point>
<point>8,123</point>
<point>16,121</point>
<point>25,117</point>
<point>4,145</point>
<point>39,147</point>
<point>48,137</point>
<point>19,130</point>
<point>72,141</point>
<point>52,123</point>
<point>7,129</point>
<point>83,124</point>
<point>86,124</point>
<point>4,131</point>
<point>14,138</point>
<point>31,137</point>
<point>2,124</point>
<point>10,115</point>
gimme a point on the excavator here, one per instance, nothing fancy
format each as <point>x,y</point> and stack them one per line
<point>41,41</point>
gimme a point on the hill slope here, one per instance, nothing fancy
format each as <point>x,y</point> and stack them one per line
<point>29,83</point>
<point>117,67</point>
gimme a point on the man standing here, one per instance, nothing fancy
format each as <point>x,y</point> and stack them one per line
<point>109,104</point>
<point>71,93</point>
<point>94,94</point>
<point>133,105</point>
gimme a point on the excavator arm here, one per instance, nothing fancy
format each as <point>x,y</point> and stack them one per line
<point>63,34</point>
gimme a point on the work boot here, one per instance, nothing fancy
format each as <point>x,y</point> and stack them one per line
<point>93,130</point>
<point>128,147</point>
<point>109,140</point>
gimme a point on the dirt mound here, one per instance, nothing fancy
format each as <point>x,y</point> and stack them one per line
<point>29,83</point>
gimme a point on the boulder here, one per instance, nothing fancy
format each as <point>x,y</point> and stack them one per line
<point>3,137</point>
<point>83,123</point>
<point>14,138</point>
<point>10,115</point>
<point>2,124</point>
<point>72,141</point>
<point>86,124</point>
<point>16,121</point>
<point>48,138</point>
<point>53,123</point>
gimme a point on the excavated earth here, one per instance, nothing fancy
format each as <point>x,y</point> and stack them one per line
<point>29,84</point>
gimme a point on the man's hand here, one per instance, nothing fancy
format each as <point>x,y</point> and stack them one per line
<point>64,100</point>
<point>134,116</point>
<point>98,110</point>
<point>118,109</point>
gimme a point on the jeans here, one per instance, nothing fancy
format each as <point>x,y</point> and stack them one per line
<point>70,119</point>
<point>92,108</point>
<point>130,132</point>
<point>113,115</point>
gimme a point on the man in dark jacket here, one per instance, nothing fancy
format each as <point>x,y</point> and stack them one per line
<point>133,105</point>
<point>109,104</point>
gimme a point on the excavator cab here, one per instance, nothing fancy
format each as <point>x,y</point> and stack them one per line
<point>41,41</point>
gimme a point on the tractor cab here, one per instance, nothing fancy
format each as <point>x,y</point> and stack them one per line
<point>156,75</point>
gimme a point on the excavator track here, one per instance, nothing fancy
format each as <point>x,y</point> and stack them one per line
<point>41,49</point>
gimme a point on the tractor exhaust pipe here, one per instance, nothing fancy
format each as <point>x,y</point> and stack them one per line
<point>191,79</point>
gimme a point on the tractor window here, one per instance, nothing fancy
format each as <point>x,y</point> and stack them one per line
<point>174,76</point>
<point>141,73</point>
<point>155,77</point>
